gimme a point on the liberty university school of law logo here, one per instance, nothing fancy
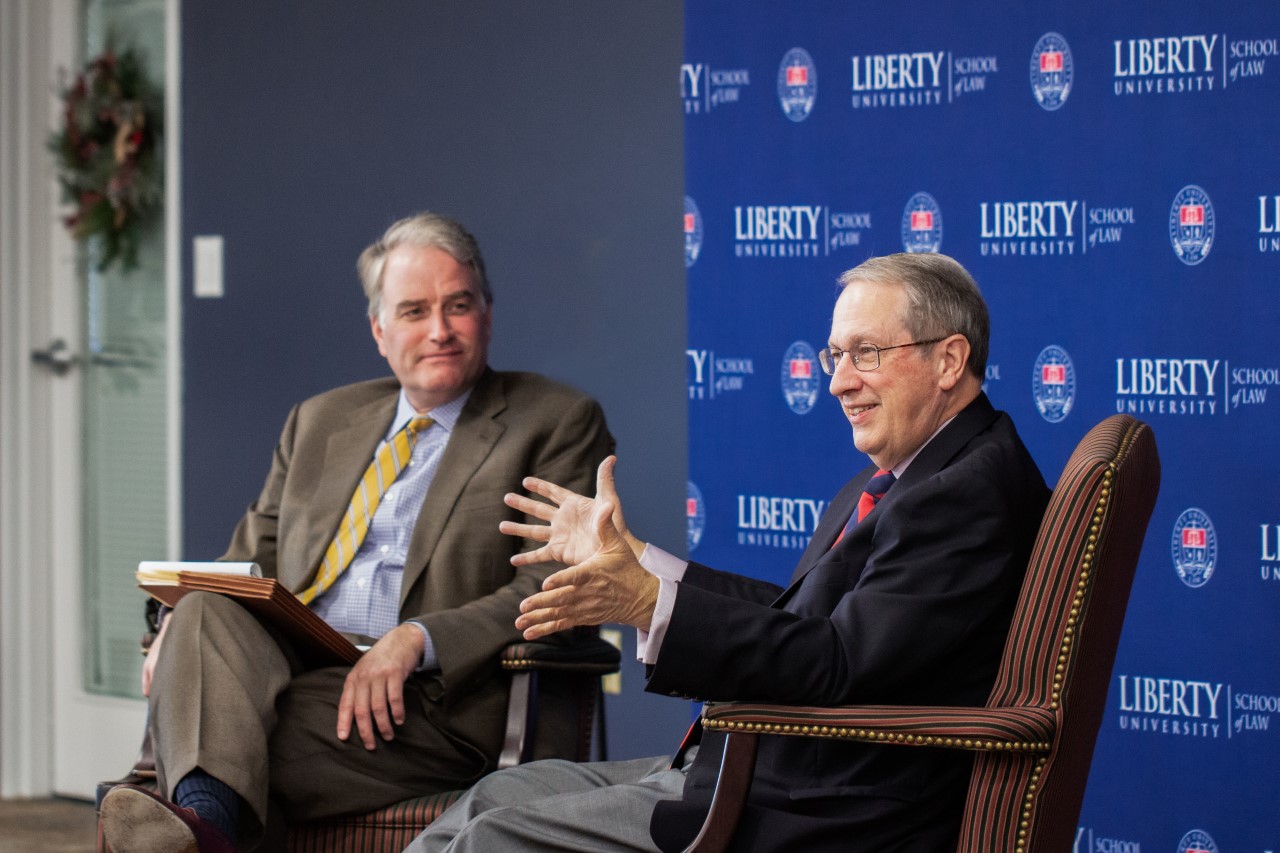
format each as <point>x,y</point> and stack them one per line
<point>1053,384</point>
<point>1191,222</point>
<point>695,512</point>
<point>921,224</point>
<point>797,84</point>
<point>692,233</point>
<point>1051,71</point>
<point>800,374</point>
<point>1195,547</point>
<point>1197,841</point>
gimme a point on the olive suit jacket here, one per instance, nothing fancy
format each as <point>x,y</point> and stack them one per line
<point>458,579</point>
<point>911,606</point>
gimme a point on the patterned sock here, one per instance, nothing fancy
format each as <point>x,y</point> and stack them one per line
<point>211,799</point>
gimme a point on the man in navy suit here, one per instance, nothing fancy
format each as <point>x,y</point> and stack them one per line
<point>904,596</point>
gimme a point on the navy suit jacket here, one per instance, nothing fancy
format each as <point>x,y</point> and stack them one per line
<point>912,606</point>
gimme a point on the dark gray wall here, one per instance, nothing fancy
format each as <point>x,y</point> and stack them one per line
<point>552,129</point>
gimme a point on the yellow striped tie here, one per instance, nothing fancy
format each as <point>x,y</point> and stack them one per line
<point>387,464</point>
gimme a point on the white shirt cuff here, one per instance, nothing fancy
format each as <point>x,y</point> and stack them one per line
<point>669,570</point>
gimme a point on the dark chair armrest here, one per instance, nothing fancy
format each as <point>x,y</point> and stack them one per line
<point>583,657</point>
<point>1013,729</point>
<point>587,656</point>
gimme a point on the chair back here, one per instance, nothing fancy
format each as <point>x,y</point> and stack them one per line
<point>1063,638</point>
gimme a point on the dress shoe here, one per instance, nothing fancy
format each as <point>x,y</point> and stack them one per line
<point>137,820</point>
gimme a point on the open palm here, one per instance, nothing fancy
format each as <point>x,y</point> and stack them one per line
<point>571,536</point>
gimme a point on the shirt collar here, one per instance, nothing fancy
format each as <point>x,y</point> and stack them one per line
<point>444,416</point>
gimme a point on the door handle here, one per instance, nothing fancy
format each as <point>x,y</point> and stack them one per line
<point>57,357</point>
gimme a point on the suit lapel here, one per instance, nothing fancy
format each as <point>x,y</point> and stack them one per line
<point>973,419</point>
<point>473,439</point>
<point>937,454</point>
<point>833,521</point>
<point>347,455</point>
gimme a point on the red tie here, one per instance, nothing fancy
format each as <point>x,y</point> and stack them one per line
<point>871,495</point>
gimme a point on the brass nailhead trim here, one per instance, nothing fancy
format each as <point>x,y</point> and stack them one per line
<point>1082,588</point>
<point>1028,803</point>
<point>873,736</point>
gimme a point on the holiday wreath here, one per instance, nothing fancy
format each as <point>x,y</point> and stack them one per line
<point>107,155</point>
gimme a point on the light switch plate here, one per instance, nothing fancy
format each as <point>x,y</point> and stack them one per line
<point>208,266</point>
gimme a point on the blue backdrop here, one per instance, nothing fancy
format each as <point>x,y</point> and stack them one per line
<point>1108,174</point>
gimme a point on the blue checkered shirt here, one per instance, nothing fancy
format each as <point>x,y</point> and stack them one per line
<point>365,599</point>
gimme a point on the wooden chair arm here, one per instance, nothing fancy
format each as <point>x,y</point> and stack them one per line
<point>1011,729</point>
<point>1028,730</point>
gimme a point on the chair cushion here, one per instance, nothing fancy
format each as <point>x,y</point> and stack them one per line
<point>387,830</point>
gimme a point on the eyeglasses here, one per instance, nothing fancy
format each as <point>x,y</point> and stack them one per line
<point>865,356</point>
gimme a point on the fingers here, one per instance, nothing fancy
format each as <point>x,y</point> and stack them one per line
<point>380,713</point>
<point>375,707</point>
<point>546,629</point>
<point>553,595</point>
<point>536,532</point>
<point>367,705</point>
<point>540,616</point>
<point>605,487</point>
<point>395,704</point>
<point>543,621</point>
<point>346,707</point>
<point>354,706</point>
<point>612,532</point>
<point>527,505</point>
<point>558,494</point>
<point>547,612</point>
<point>529,558</point>
<point>364,722</point>
<point>602,521</point>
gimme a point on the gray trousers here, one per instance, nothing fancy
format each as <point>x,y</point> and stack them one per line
<point>231,699</point>
<point>604,806</point>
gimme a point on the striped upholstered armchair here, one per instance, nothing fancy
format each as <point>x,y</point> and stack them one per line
<point>552,711</point>
<point>1034,739</point>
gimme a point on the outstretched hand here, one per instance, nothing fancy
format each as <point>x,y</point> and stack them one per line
<point>609,585</point>
<point>571,536</point>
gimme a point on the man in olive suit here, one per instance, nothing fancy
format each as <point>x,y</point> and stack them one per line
<point>380,511</point>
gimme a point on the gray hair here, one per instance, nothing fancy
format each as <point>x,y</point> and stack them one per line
<point>942,299</point>
<point>425,230</point>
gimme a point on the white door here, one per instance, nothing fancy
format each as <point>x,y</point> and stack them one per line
<point>90,469</point>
